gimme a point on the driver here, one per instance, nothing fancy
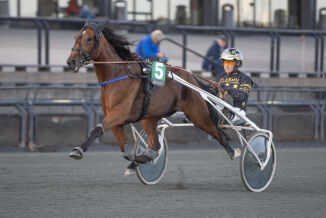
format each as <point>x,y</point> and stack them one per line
<point>234,83</point>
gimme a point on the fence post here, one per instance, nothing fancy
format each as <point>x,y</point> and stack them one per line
<point>39,41</point>
<point>278,44</point>
<point>184,51</point>
<point>272,51</point>
<point>232,38</point>
<point>47,41</point>
<point>321,52</point>
<point>316,52</point>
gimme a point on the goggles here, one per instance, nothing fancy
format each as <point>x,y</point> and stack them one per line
<point>228,62</point>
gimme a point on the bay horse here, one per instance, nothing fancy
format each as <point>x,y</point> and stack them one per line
<point>126,98</point>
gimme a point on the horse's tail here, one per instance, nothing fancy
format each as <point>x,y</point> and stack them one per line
<point>213,114</point>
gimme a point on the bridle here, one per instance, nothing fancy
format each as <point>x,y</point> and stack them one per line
<point>85,58</point>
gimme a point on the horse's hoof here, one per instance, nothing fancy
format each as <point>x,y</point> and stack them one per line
<point>77,153</point>
<point>130,172</point>
<point>131,169</point>
<point>237,153</point>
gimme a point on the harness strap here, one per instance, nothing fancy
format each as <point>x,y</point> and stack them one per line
<point>113,80</point>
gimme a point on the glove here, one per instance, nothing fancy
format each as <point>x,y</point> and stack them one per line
<point>222,85</point>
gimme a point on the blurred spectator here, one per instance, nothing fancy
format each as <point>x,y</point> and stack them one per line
<point>72,9</point>
<point>85,12</point>
<point>148,47</point>
<point>214,53</point>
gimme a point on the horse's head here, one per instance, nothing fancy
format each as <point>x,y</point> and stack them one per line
<point>86,43</point>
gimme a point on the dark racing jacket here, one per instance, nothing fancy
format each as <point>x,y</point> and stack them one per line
<point>237,85</point>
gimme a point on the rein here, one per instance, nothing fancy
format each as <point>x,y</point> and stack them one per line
<point>215,84</point>
<point>117,62</point>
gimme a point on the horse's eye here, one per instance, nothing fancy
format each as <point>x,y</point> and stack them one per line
<point>89,39</point>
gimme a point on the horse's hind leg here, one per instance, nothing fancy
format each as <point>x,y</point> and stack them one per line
<point>199,116</point>
<point>127,150</point>
<point>150,128</point>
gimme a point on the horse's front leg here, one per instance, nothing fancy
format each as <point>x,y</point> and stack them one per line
<point>150,128</point>
<point>112,120</point>
<point>77,152</point>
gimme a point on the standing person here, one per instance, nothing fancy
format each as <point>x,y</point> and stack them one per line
<point>148,47</point>
<point>234,83</point>
<point>73,8</point>
<point>214,53</point>
<point>85,12</point>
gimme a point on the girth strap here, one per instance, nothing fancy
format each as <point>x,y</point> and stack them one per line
<point>147,90</point>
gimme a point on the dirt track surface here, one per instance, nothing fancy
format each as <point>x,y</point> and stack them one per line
<point>198,183</point>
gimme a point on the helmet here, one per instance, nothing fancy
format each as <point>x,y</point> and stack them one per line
<point>233,54</point>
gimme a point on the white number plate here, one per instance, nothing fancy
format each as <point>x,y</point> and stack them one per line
<point>158,74</point>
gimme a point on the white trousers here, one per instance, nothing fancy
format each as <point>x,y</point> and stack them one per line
<point>236,118</point>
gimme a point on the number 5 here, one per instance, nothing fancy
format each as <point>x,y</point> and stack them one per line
<point>159,70</point>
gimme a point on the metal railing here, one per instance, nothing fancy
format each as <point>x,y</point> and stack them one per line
<point>35,97</point>
<point>43,24</point>
<point>266,99</point>
<point>274,35</point>
<point>185,48</point>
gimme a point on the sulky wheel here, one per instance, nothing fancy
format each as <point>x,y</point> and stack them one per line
<point>153,171</point>
<point>255,179</point>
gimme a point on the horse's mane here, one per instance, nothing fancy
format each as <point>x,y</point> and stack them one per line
<point>120,44</point>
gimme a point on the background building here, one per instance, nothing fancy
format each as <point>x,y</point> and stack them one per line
<point>304,14</point>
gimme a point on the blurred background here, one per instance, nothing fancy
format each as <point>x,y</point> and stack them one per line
<point>43,104</point>
<point>46,110</point>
